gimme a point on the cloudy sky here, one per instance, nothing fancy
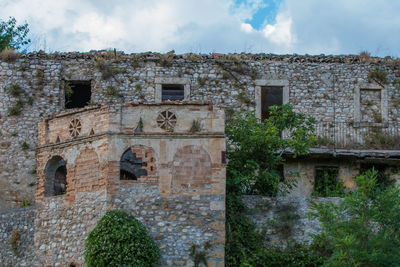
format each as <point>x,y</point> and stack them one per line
<point>206,26</point>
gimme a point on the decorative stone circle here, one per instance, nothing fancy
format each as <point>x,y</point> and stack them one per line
<point>75,127</point>
<point>166,120</point>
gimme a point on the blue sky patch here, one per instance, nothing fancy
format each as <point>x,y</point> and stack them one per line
<point>265,14</point>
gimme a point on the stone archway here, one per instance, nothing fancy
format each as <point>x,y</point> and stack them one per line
<point>56,177</point>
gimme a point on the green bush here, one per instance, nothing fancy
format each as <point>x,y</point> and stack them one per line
<point>294,255</point>
<point>364,229</point>
<point>243,239</point>
<point>120,240</point>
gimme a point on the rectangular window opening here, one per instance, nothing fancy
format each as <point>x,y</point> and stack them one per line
<point>370,105</point>
<point>77,94</point>
<point>326,182</point>
<point>270,96</point>
<point>172,92</point>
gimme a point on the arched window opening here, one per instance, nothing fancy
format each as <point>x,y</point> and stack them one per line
<point>56,177</point>
<point>131,166</point>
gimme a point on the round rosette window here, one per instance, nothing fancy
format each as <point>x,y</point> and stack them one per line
<point>75,127</point>
<point>166,120</point>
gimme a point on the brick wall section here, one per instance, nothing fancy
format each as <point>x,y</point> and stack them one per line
<point>94,120</point>
<point>191,169</point>
<point>149,158</point>
<point>111,170</point>
<point>87,172</point>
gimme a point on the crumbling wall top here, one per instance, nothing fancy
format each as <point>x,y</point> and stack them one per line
<point>153,56</point>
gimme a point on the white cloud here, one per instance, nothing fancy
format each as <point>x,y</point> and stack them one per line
<point>246,27</point>
<point>280,33</point>
<point>308,26</point>
<point>345,26</point>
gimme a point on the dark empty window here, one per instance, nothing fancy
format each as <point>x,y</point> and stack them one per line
<point>131,166</point>
<point>270,96</point>
<point>327,183</point>
<point>56,177</point>
<point>77,94</point>
<point>172,92</point>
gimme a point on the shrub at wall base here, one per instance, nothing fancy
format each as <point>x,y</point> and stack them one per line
<point>120,240</point>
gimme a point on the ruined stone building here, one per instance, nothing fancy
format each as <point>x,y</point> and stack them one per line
<point>84,133</point>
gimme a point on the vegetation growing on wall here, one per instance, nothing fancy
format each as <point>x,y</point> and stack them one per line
<point>15,242</point>
<point>196,127</point>
<point>253,164</point>
<point>111,91</point>
<point>378,75</point>
<point>378,139</point>
<point>364,229</point>
<point>8,55</point>
<point>198,255</point>
<point>327,183</point>
<point>285,220</point>
<point>253,169</point>
<point>120,240</point>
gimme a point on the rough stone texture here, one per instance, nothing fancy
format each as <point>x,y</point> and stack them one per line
<point>61,229</point>
<point>322,86</point>
<point>370,105</point>
<point>22,221</point>
<point>181,200</point>
<point>265,209</point>
<point>177,222</point>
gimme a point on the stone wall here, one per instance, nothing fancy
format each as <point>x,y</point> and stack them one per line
<point>61,228</point>
<point>177,222</point>
<point>17,227</point>
<point>266,213</point>
<point>323,86</point>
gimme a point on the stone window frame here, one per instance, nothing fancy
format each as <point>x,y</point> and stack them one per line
<point>171,80</point>
<point>262,83</point>
<point>357,105</point>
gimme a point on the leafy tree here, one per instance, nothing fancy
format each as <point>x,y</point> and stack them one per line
<point>120,240</point>
<point>364,229</point>
<point>13,36</point>
<point>258,148</point>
